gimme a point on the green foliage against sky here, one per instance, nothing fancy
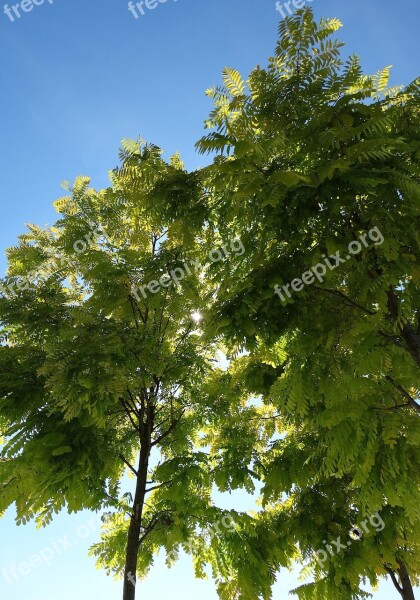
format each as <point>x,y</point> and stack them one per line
<point>317,411</point>
<point>311,155</point>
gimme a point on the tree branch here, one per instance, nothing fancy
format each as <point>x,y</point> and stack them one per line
<point>348,301</point>
<point>8,483</point>
<point>168,431</point>
<point>128,412</point>
<point>394,579</point>
<point>133,403</point>
<point>406,395</point>
<point>132,469</point>
<point>265,418</point>
<point>396,407</point>
<point>411,338</point>
<point>156,487</point>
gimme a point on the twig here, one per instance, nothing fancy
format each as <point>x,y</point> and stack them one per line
<point>132,469</point>
<point>406,395</point>
<point>128,412</point>
<point>348,300</point>
<point>156,487</point>
<point>168,431</point>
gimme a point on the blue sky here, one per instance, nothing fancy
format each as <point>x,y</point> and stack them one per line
<point>76,78</point>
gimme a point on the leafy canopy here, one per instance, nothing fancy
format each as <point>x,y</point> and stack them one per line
<point>318,409</point>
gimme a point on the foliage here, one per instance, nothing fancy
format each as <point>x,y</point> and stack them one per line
<point>90,361</point>
<point>317,409</point>
<point>310,155</point>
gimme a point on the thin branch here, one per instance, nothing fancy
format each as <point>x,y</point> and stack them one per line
<point>406,395</point>
<point>396,407</point>
<point>134,307</point>
<point>161,236</point>
<point>164,331</point>
<point>134,312</point>
<point>265,418</point>
<point>348,301</point>
<point>411,338</point>
<point>392,338</point>
<point>171,416</point>
<point>168,431</point>
<point>153,523</point>
<point>128,412</point>
<point>132,469</point>
<point>147,532</point>
<point>8,483</point>
<point>133,403</point>
<point>116,502</point>
<point>183,337</point>
<point>162,315</point>
<point>156,487</point>
<point>394,579</point>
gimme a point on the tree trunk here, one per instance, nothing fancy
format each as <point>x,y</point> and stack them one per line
<point>133,540</point>
<point>404,587</point>
<point>407,589</point>
<point>411,337</point>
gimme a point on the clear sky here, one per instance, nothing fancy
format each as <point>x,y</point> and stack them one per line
<point>77,76</point>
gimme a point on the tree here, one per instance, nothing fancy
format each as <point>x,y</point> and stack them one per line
<point>317,174</point>
<point>100,373</point>
<point>317,170</point>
